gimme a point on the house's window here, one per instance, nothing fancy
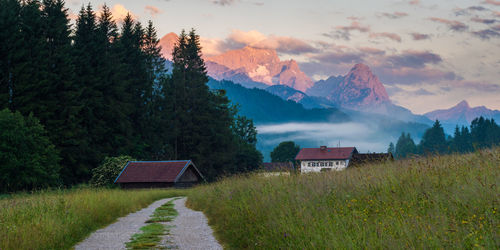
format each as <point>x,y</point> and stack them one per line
<point>337,163</point>
<point>308,164</point>
<point>330,164</point>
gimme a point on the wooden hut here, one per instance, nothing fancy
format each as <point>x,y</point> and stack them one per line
<point>159,174</point>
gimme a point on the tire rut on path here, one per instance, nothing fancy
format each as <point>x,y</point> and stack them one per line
<point>190,229</point>
<point>117,234</point>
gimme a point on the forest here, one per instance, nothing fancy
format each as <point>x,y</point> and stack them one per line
<point>73,94</point>
<point>482,133</point>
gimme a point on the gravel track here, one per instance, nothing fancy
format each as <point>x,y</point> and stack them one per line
<point>117,234</point>
<point>190,229</point>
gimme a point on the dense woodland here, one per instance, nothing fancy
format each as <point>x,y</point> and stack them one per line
<point>101,89</point>
<point>482,133</point>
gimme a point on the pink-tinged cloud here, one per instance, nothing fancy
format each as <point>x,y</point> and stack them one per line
<point>420,36</point>
<point>395,15</point>
<point>492,2</point>
<point>392,36</point>
<point>414,2</point>
<point>253,38</point>
<point>497,13</point>
<point>153,11</point>
<point>453,25</point>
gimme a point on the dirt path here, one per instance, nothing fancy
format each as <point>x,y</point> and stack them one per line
<point>117,234</point>
<point>190,229</point>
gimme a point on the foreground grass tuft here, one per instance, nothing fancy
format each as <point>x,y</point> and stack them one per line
<point>60,219</point>
<point>152,234</point>
<point>436,202</point>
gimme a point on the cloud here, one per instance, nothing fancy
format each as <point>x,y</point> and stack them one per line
<point>473,86</point>
<point>484,21</point>
<point>246,38</point>
<point>119,12</point>
<point>339,57</point>
<point>255,39</point>
<point>467,11</point>
<point>392,36</point>
<point>420,36</point>
<point>492,2</point>
<point>373,51</point>
<point>407,75</point>
<point>453,25</point>
<point>414,2</point>
<point>414,59</point>
<point>487,34</point>
<point>395,15</point>
<point>344,32</point>
<point>153,11</point>
<point>223,2</point>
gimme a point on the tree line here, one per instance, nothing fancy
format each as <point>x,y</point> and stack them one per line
<point>482,133</point>
<point>101,89</point>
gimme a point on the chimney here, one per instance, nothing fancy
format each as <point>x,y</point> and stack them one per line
<point>322,148</point>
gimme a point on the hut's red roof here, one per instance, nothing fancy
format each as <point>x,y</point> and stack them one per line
<point>325,153</point>
<point>152,171</point>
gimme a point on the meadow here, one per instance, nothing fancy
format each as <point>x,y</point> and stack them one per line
<point>58,219</point>
<point>436,202</point>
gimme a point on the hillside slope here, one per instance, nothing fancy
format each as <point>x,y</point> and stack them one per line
<point>441,202</point>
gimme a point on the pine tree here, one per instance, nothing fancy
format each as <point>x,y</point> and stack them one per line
<point>434,141</point>
<point>11,49</point>
<point>391,148</point>
<point>202,119</point>
<point>405,146</point>
<point>60,103</point>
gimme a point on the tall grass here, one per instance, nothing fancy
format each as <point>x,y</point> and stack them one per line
<point>60,219</point>
<point>437,202</point>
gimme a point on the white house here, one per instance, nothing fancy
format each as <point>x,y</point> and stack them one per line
<point>324,159</point>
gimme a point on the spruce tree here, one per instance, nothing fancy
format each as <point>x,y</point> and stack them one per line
<point>405,146</point>
<point>391,148</point>
<point>202,118</point>
<point>11,49</point>
<point>434,140</point>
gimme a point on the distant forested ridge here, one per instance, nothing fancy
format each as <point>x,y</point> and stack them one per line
<point>101,89</point>
<point>482,133</point>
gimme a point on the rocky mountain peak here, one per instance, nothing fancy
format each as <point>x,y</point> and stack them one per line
<point>167,43</point>
<point>463,105</point>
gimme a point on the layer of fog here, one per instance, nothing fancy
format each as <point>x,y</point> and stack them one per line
<point>365,137</point>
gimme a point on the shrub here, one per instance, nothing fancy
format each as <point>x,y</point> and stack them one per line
<point>28,160</point>
<point>106,173</point>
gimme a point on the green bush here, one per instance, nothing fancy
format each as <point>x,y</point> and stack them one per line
<point>106,173</point>
<point>28,160</point>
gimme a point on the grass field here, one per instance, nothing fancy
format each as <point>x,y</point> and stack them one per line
<point>437,202</point>
<point>60,219</point>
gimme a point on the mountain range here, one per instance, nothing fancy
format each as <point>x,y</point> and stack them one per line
<point>359,90</point>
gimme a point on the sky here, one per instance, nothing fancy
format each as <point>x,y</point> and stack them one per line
<point>428,54</point>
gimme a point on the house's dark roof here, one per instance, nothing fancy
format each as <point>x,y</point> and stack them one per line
<point>154,171</point>
<point>326,153</point>
<point>277,166</point>
<point>359,159</point>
